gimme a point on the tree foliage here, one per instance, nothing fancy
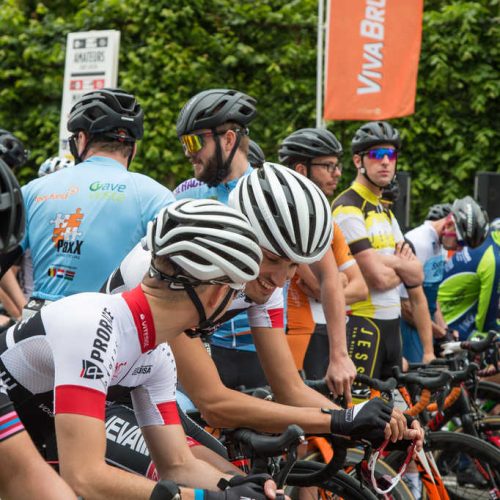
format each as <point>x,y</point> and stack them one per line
<point>267,48</point>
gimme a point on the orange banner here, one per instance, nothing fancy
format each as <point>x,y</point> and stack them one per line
<point>373,48</point>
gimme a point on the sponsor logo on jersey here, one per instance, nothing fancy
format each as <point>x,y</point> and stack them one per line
<point>66,234</point>
<point>57,196</point>
<point>119,368</point>
<point>102,336</point>
<point>91,370</point>
<point>189,184</point>
<point>142,370</point>
<point>144,327</point>
<point>107,186</point>
<point>61,272</point>
<point>125,434</point>
<point>107,191</point>
<point>7,381</point>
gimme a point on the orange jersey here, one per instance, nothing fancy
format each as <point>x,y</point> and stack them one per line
<point>299,315</point>
<point>300,321</point>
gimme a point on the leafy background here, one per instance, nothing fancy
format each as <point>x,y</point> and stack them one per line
<point>267,48</point>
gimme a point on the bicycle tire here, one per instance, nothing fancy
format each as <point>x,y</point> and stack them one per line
<point>354,456</point>
<point>488,391</point>
<point>451,446</point>
<point>487,425</point>
<point>339,486</point>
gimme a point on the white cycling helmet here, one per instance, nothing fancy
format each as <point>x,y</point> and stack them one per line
<point>289,213</point>
<point>51,165</point>
<point>208,241</point>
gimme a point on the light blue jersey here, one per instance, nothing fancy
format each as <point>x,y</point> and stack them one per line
<point>82,221</point>
<point>199,190</point>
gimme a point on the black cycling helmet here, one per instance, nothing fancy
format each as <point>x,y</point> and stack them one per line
<point>210,109</point>
<point>11,210</point>
<point>256,156</point>
<point>471,221</point>
<point>438,211</point>
<point>110,112</point>
<point>373,134</point>
<point>308,143</point>
<point>214,107</point>
<point>12,150</point>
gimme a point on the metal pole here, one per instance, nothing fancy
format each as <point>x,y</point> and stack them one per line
<point>319,65</point>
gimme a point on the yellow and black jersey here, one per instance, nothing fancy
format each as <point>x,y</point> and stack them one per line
<point>365,225</point>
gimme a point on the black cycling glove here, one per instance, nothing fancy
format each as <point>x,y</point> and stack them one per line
<point>240,487</point>
<point>363,421</point>
<point>237,488</point>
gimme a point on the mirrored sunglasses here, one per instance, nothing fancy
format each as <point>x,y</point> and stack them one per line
<point>379,153</point>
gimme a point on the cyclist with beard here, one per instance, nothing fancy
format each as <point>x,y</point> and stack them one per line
<point>305,239</point>
<point>377,244</point>
<point>212,129</point>
<point>316,153</point>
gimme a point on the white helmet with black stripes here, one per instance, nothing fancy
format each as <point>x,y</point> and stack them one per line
<point>207,241</point>
<point>289,213</point>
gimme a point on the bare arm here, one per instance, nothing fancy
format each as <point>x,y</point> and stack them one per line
<point>416,312</point>
<point>277,362</point>
<point>356,289</point>
<point>24,474</point>
<point>341,370</point>
<point>81,443</point>
<point>223,407</point>
<point>308,282</point>
<point>378,270</point>
<point>174,460</point>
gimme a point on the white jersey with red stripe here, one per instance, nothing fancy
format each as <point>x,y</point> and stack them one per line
<point>234,327</point>
<point>81,346</point>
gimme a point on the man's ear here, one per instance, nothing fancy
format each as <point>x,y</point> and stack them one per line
<point>356,159</point>
<point>216,294</point>
<point>300,168</point>
<point>82,141</point>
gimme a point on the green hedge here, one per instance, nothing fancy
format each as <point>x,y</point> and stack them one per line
<point>171,50</point>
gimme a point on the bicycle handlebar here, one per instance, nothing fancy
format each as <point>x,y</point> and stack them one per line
<point>269,446</point>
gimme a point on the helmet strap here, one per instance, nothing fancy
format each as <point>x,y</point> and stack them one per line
<point>365,173</point>
<point>206,325</point>
<point>74,149</point>
<point>223,167</point>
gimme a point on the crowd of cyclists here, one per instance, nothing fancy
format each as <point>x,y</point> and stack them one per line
<point>126,304</point>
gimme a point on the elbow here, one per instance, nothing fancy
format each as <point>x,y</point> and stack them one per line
<point>378,282</point>
<point>80,481</point>
<point>216,413</point>
<point>361,292</point>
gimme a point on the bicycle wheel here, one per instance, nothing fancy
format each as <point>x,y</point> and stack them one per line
<point>488,394</point>
<point>341,486</point>
<point>382,469</point>
<point>488,429</point>
<point>469,466</point>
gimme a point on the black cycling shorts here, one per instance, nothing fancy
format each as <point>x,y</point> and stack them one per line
<point>374,345</point>
<point>238,368</point>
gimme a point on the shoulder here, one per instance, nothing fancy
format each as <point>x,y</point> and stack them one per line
<point>190,185</point>
<point>349,201</point>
